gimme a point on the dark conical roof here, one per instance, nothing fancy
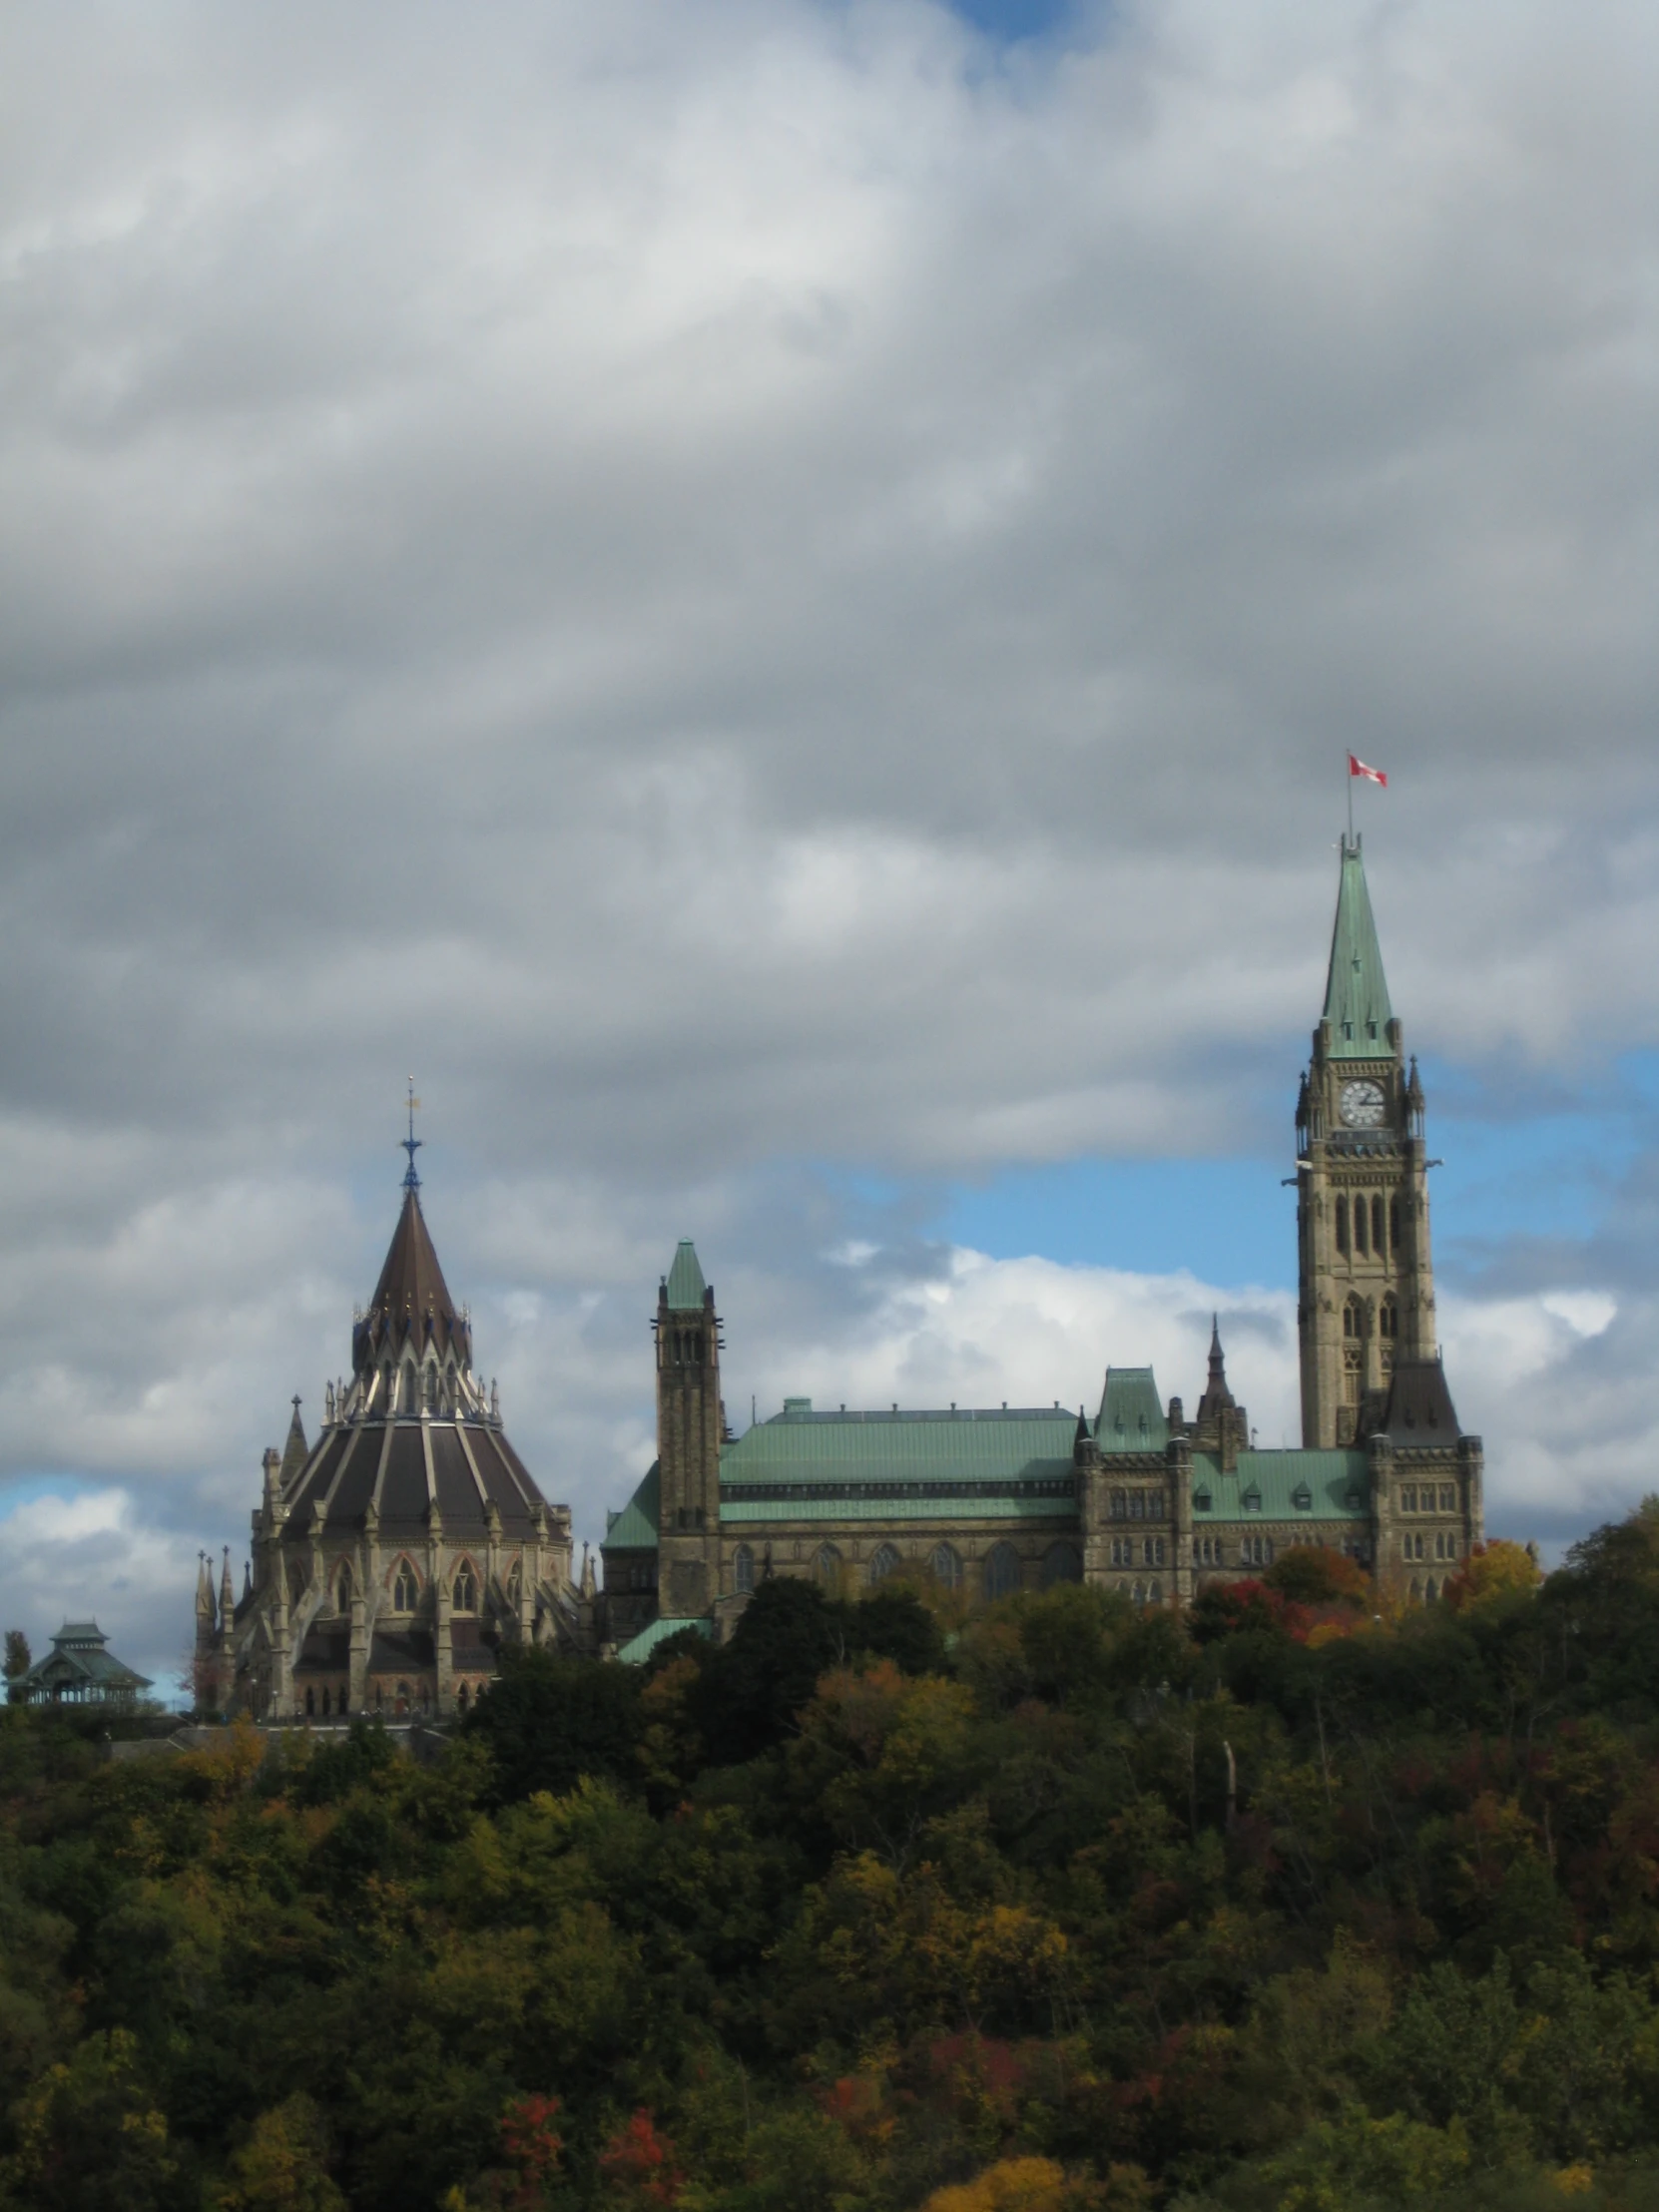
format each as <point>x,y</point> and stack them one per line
<point>411,1297</point>
<point>411,1282</point>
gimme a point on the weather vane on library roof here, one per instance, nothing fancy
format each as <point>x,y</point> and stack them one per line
<point>411,1143</point>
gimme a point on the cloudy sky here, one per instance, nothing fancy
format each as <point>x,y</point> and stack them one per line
<point>769,598</point>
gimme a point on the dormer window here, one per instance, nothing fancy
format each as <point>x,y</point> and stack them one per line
<point>1303,1498</point>
<point>1252,1500</point>
<point>1201,1502</point>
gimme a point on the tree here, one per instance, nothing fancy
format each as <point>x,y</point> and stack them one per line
<point>547,1722</point>
<point>1492,1574</point>
<point>283,2166</point>
<point>18,1660</point>
<point>1309,1574</point>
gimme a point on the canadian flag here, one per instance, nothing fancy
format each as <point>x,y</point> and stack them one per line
<point>1357,767</point>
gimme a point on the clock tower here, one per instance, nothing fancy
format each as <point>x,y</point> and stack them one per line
<point>1366,1280</point>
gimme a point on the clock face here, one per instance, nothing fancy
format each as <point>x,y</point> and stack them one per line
<point>1363,1105</point>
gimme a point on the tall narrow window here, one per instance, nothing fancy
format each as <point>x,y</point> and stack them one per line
<point>827,1564</point>
<point>466,1592</point>
<point>404,1589</point>
<point>947,1567</point>
<point>1377,1226</point>
<point>883,1561</point>
<point>1360,1225</point>
<point>743,1568</point>
<point>1062,1564</point>
<point>1001,1571</point>
<point>1341,1225</point>
<point>1394,1225</point>
<point>344,1587</point>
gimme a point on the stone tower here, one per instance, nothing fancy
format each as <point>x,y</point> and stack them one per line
<point>1366,1280</point>
<point>690,1427</point>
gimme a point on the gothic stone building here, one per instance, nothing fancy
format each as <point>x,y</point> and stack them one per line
<point>1140,1498</point>
<point>395,1556</point>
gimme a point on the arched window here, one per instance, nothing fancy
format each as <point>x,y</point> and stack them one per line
<point>1360,1224</point>
<point>1120,1505</point>
<point>385,1385</point>
<point>1351,1319</point>
<point>827,1564</point>
<point>1393,1224</point>
<point>884,1563</point>
<point>1137,1595</point>
<point>461,1699</point>
<point>325,1701</point>
<point>343,1703</point>
<point>344,1588</point>
<point>404,1589</point>
<point>1155,1593</point>
<point>411,1400</point>
<point>403,1705</point>
<point>431,1389</point>
<point>1430,1592</point>
<point>946,1565</point>
<point>1376,1244</point>
<point>465,1598</point>
<point>1416,1591</point>
<point>1387,1319</point>
<point>1062,1564</point>
<point>1001,1571</point>
<point>1341,1225</point>
<point>743,1568</point>
<point>310,1703</point>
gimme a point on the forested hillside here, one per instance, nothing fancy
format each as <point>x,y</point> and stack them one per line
<point>1047,1908</point>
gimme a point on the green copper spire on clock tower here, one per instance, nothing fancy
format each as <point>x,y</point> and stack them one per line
<point>1356,1007</point>
<point>1366,1276</point>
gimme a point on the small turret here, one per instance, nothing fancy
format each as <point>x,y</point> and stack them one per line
<point>1221,1425</point>
<point>203,1604</point>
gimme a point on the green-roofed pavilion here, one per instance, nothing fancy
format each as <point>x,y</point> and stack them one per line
<point>1131,1417</point>
<point>1355,989</point>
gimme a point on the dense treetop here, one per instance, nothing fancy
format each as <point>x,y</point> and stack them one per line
<point>1046,1907</point>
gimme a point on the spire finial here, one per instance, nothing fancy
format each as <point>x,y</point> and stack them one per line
<point>411,1143</point>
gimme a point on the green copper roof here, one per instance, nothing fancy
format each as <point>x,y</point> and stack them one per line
<point>1356,990</point>
<point>637,1649</point>
<point>1131,1419</point>
<point>685,1279</point>
<point>635,1527</point>
<point>1280,1486</point>
<point>900,1505</point>
<point>972,1446</point>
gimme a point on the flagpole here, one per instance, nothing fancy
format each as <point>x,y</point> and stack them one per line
<point>1349,778</point>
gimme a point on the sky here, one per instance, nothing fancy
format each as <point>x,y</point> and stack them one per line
<point>768,596</point>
